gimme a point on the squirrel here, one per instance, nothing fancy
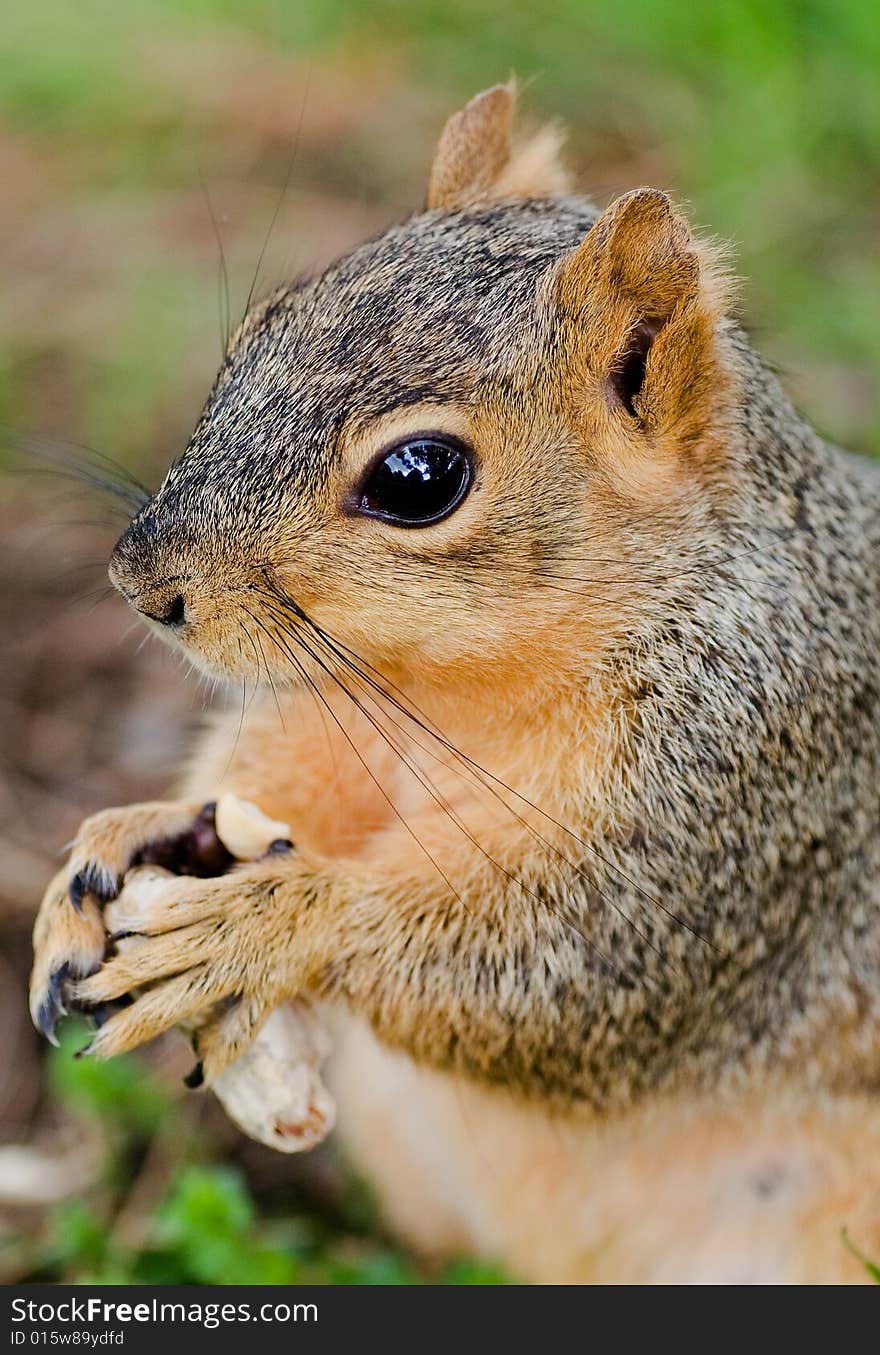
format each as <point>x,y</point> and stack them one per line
<point>559,628</point>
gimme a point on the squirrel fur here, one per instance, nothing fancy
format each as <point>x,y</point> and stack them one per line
<point>583,779</point>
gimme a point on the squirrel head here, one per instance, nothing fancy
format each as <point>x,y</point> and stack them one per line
<point>420,449</point>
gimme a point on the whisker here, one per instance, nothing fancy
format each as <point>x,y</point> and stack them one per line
<point>223,273</point>
<point>244,705</point>
<point>317,705</point>
<point>348,657</point>
<point>440,800</point>
<point>272,686</point>
<point>74,461</point>
<point>468,775</point>
<point>284,188</point>
<point>407,826</point>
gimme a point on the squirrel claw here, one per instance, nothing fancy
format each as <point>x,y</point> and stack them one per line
<point>52,1008</point>
<point>195,1078</point>
<point>92,879</point>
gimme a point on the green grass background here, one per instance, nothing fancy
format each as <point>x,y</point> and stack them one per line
<point>764,117</point>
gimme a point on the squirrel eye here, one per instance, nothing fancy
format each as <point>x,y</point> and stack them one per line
<point>417,482</point>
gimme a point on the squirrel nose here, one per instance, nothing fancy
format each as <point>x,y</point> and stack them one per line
<point>159,602</point>
<point>133,571</point>
<point>169,613</point>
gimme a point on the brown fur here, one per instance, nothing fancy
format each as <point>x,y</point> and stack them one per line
<point>763,1191</point>
<point>476,159</point>
<point>583,779</point>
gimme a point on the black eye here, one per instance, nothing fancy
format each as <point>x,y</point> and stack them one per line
<point>417,482</point>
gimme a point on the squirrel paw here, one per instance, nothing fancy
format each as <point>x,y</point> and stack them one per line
<point>69,934</point>
<point>226,1035</point>
<point>198,943</point>
<point>68,945</point>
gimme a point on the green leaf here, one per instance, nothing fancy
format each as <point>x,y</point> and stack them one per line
<point>469,1270</point>
<point>208,1224</point>
<point>121,1091</point>
<point>77,1236</point>
<point>870,1266</point>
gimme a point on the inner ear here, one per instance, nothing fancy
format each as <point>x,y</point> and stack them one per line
<point>628,375</point>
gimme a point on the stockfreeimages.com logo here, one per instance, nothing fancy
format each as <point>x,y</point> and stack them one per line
<point>94,1311</point>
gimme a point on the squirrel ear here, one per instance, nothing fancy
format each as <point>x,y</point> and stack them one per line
<point>475,160</point>
<point>643,297</point>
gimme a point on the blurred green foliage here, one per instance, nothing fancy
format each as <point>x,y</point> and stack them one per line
<point>121,1093</point>
<point>202,1226</point>
<point>198,1223</point>
<point>764,114</point>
